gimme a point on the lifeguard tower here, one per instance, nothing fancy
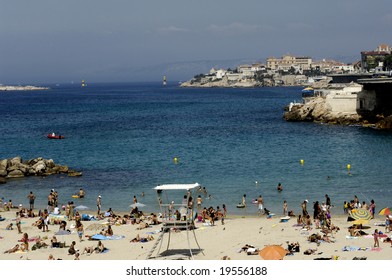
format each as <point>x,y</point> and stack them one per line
<point>175,215</point>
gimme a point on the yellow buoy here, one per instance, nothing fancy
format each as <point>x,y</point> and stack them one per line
<point>302,162</point>
<point>348,166</point>
<point>175,160</point>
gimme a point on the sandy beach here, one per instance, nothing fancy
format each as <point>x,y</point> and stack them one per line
<point>216,241</point>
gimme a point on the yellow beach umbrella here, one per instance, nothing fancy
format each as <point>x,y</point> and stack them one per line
<point>360,214</point>
<point>360,222</point>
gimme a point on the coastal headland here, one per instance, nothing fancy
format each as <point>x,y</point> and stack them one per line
<point>21,88</point>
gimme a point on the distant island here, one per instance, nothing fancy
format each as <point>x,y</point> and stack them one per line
<point>20,88</point>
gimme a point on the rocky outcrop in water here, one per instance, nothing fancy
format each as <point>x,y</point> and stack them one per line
<point>317,110</point>
<point>17,168</point>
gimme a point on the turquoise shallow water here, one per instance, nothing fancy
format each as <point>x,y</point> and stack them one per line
<point>123,137</point>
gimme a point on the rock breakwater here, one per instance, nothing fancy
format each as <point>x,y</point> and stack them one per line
<point>17,168</point>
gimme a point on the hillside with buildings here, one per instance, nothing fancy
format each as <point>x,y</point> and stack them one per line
<point>292,70</point>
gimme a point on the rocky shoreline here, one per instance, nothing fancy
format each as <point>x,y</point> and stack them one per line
<point>18,168</point>
<point>222,83</point>
<point>317,110</point>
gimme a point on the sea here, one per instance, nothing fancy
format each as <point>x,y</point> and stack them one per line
<point>127,138</point>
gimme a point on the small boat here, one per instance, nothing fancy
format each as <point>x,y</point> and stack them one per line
<point>308,91</point>
<point>55,136</point>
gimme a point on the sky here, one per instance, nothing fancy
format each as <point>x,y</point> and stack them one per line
<point>52,41</point>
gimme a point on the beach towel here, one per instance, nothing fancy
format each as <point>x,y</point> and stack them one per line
<point>103,237</point>
<point>355,248</point>
<point>351,237</point>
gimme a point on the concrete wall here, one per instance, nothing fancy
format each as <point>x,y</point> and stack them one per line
<point>367,100</point>
<point>342,103</point>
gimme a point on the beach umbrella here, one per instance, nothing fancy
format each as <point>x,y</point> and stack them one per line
<point>360,214</point>
<point>385,211</point>
<point>360,222</point>
<point>62,233</point>
<point>81,207</point>
<point>273,252</point>
<point>137,204</point>
<point>95,227</point>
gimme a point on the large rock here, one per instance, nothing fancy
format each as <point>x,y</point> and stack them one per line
<point>3,164</point>
<point>15,174</point>
<point>385,123</point>
<point>15,168</point>
<point>15,161</point>
<point>49,163</point>
<point>39,167</point>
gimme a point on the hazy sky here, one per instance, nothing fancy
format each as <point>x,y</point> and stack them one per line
<point>46,41</point>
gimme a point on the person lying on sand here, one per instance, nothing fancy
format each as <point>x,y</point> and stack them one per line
<point>39,244</point>
<point>12,250</point>
<point>88,250</point>
<point>100,247</point>
<point>142,239</point>
<point>143,225</point>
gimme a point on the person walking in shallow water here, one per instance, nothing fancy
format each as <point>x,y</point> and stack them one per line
<point>31,198</point>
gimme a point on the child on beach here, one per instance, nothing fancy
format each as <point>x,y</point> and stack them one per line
<point>375,236</point>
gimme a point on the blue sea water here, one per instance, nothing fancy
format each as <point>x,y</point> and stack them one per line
<point>124,137</point>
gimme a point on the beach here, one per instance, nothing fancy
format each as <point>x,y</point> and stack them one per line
<point>216,242</point>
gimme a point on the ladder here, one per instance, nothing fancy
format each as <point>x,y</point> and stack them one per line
<point>155,245</point>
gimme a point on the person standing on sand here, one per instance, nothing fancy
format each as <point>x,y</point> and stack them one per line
<point>375,236</point>
<point>50,202</point>
<point>328,201</point>
<point>31,198</point>
<point>304,210</point>
<point>260,203</point>
<point>284,208</point>
<point>199,202</point>
<point>372,208</point>
<point>244,200</point>
<point>99,205</point>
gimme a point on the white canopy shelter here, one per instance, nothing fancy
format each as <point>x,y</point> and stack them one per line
<point>186,187</point>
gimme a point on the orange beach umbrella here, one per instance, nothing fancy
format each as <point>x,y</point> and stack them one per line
<point>273,252</point>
